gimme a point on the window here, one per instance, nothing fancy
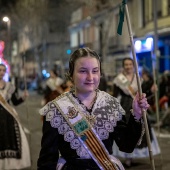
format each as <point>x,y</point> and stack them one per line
<point>74,39</point>
<point>168,6</point>
<point>147,11</point>
<point>159,8</point>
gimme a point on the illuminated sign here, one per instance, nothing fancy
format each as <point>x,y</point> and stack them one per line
<point>144,45</point>
<point>3,61</point>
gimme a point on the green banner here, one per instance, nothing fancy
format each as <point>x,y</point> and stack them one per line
<point>121,17</point>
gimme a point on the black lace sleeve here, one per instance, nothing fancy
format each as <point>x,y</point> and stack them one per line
<point>128,134</point>
<point>116,91</point>
<point>15,99</point>
<point>49,153</point>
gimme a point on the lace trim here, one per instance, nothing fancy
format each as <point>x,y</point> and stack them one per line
<point>69,136</point>
<point>7,91</point>
<point>79,101</point>
<point>13,153</point>
<point>107,111</point>
<point>8,154</point>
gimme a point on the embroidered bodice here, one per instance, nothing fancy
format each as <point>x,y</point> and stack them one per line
<point>107,112</point>
<point>110,125</point>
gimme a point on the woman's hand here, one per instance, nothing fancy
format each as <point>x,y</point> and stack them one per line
<point>139,104</point>
<point>154,88</point>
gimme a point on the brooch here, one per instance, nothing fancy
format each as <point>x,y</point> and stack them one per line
<point>91,119</point>
<point>72,113</point>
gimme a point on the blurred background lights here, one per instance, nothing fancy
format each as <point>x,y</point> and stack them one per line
<point>68,51</point>
<point>5,19</point>
<point>44,71</point>
<point>47,75</point>
<point>148,43</point>
<point>138,45</point>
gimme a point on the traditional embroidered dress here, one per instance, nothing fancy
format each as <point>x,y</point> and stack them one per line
<point>14,149</point>
<point>107,119</point>
<point>123,93</point>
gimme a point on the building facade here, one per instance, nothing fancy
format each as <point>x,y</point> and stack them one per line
<point>98,30</point>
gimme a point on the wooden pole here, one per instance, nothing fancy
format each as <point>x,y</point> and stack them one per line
<point>139,87</point>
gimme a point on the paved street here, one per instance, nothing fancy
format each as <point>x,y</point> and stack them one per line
<point>162,162</point>
<point>28,113</point>
<point>30,119</point>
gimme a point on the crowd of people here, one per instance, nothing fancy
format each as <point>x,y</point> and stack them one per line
<point>84,127</point>
<point>164,100</point>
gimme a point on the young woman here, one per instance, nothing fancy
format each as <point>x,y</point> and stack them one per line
<point>14,149</point>
<point>125,85</point>
<point>82,124</point>
<point>125,89</point>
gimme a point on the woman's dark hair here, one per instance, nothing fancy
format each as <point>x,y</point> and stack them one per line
<point>79,53</point>
<point>147,73</point>
<point>54,71</point>
<point>3,66</point>
<point>127,58</point>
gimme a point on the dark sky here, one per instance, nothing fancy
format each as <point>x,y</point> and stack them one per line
<point>6,2</point>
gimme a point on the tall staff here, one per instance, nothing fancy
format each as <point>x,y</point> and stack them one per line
<point>28,119</point>
<point>154,55</point>
<point>124,9</point>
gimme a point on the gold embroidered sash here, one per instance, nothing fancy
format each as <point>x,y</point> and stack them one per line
<point>123,83</point>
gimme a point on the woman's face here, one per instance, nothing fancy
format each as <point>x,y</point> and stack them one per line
<point>128,66</point>
<point>2,71</point>
<point>86,75</point>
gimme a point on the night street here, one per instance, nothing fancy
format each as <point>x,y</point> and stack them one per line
<point>50,47</point>
<point>29,111</point>
<point>30,119</point>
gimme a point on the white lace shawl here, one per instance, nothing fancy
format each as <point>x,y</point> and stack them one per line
<point>123,84</point>
<point>52,83</point>
<point>107,110</point>
<point>7,91</point>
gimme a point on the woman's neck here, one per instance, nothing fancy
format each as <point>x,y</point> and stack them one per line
<point>129,75</point>
<point>86,95</point>
<point>86,98</point>
<point>2,83</point>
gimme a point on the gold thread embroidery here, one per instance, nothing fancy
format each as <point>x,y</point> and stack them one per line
<point>72,113</point>
<point>91,119</point>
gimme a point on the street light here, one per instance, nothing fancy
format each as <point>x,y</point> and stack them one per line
<point>7,20</point>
